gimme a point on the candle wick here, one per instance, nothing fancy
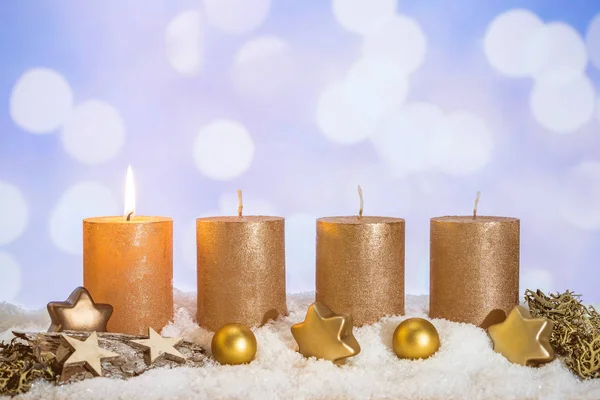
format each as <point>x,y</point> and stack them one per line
<point>240,203</point>
<point>129,216</point>
<point>361,204</point>
<point>476,203</point>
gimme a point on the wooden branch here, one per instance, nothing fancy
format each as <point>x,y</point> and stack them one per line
<point>49,348</point>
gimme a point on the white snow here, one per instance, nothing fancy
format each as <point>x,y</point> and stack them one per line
<point>465,367</point>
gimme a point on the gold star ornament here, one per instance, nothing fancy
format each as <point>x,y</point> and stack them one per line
<point>522,339</point>
<point>87,353</point>
<point>79,313</point>
<point>325,335</point>
<point>158,347</point>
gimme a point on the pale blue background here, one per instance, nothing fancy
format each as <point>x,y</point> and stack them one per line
<point>117,52</point>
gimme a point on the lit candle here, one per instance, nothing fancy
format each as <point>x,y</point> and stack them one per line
<point>360,265</point>
<point>128,263</point>
<point>241,269</point>
<point>474,268</point>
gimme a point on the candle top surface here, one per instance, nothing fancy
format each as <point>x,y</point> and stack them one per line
<point>244,218</point>
<point>135,219</point>
<point>469,219</point>
<point>364,220</point>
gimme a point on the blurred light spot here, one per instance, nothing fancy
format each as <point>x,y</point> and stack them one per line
<point>592,39</point>
<point>337,119</point>
<point>263,67</point>
<point>300,252</point>
<point>556,52</point>
<point>14,213</point>
<point>10,271</point>
<point>399,41</point>
<point>505,41</point>
<point>362,16</point>
<point>223,150</point>
<point>83,200</point>
<point>563,107</point>
<point>581,195</point>
<point>374,89</point>
<point>462,144</point>
<point>404,141</point>
<point>40,100</point>
<point>237,16</point>
<point>184,42</point>
<point>535,279</point>
<point>94,133</point>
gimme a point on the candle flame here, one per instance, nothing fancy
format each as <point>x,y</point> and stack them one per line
<point>129,194</point>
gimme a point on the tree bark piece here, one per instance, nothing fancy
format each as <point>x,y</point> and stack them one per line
<point>49,348</point>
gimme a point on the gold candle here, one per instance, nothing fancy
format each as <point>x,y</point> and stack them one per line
<point>360,266</point>
<point>474,268</point>
<point>241,269</point>
<point>128,263</point>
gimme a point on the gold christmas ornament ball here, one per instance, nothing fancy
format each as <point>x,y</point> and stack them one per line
<point>415,338</point>
<point>233,344</point>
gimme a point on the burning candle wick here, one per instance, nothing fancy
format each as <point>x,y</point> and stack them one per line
<point>240,203</point>
<point>476,203</point>
<point>129,216</point>
<point>361,204</point>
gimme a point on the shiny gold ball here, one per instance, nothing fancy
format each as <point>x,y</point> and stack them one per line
<point>233,344</point>
<point>415,338</point>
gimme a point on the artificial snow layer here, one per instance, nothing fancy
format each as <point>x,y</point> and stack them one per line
<point>465,367</point>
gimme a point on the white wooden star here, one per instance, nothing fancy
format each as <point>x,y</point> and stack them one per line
<point>159,346</point>
<point>87,353</point>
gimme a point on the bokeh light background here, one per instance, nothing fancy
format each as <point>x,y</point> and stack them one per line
<point>423,103</point>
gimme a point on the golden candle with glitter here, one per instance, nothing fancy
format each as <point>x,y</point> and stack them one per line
<point>241,269</point>
<point>360,266</point>
<point>474,268</point>
<point>128,263</point>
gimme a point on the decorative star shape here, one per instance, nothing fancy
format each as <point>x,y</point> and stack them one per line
<point>87,353</point>
<point>79,313</point>
<point>522,339</point>
<point>325,335</point>
<point>159,346</point>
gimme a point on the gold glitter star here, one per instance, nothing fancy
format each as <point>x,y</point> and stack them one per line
<point>87,353</point>
<point>325,335</point>
<point>522,339</point>
<point>79,313</point>
<point>159,346</point>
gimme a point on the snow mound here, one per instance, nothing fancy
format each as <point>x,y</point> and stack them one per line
<point>465,367</point>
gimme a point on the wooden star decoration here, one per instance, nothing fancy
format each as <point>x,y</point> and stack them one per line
<point>79,313</point>
<point>87,353</point>
<point>325,335</point>
<point>159,346</point>
<point>522,339</point>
